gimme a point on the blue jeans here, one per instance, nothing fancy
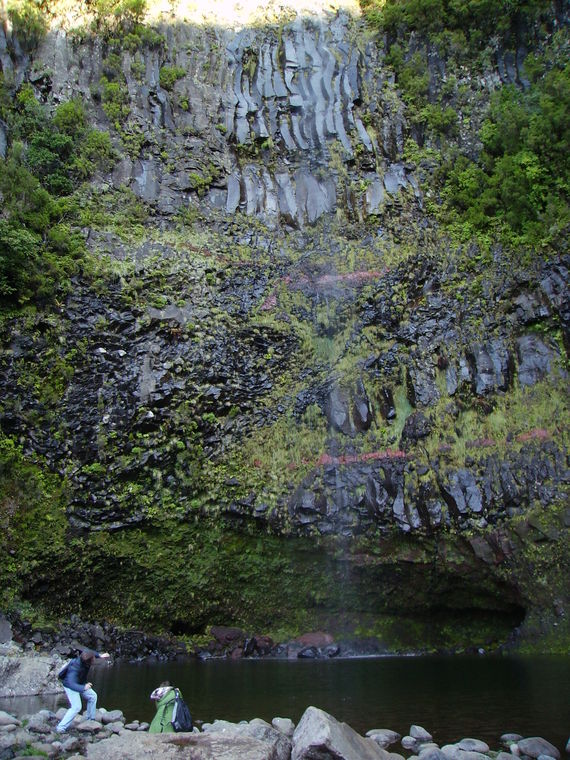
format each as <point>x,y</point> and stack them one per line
<point>74,698</point>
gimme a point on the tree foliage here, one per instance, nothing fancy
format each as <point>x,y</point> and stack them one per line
<point>518,186</point>
<point>476,19</point>
<point>28,22</point>
<point>48,155</point>
<point>121,14</point>
<point>522,177</point>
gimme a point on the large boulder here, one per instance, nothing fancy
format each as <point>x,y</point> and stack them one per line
<point>278,745</point>
<point>28,676</point>
<point>319,735</point>
<point>534,746</point>
<point>8,720</point>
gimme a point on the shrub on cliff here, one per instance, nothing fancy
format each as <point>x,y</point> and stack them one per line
<point>46,159</point>
<point>169,75</point>
<point>477,19</point>
<point>521,181</point>
<point>122,13</point>
<point>28,22</point>
<point>517,188</point>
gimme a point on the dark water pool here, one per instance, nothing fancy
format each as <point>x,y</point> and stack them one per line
<point>452,697</point>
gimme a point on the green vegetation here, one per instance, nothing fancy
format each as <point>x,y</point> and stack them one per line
<point>118,211</point>
<point>28,22</point>
<point>232,563</point>
<point>48,157</point>
<point>31,751</point>
<point>169,75</point>
<point>471,22</point>
<point>209,573</point>
<point>118,14</point>
<point>189,467</point>
<point>517,189</point>
<point>542,567</point>
<point>115,99</point>
<point>121,25</point>
<point>520,185</point>
<point>32,521</point>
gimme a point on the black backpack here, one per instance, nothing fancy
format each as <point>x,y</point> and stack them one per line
<point>181,717</point>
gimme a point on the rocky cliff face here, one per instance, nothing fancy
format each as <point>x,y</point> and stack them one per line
<point>284,400</point>
<point>267,121</point>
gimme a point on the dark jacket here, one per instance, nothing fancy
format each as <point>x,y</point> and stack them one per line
<point>76,674</point>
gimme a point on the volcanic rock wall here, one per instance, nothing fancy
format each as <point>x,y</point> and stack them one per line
<point>284,349</point>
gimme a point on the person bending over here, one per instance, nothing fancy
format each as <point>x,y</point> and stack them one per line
<point>164,696</point>
<point>76,686</point>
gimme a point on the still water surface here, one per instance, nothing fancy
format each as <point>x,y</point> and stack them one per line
<point>452,697</point>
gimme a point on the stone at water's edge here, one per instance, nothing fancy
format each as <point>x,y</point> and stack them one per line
<point>28,676</point>
<point>8,720</point>
<point>383,736</point>
<point>420,734</point>
<point>285,725</point>
<point>278,744</point>
<point>320,735</point>
<point>535,746</point>
<point>473,745</point>
<point>433,753</point>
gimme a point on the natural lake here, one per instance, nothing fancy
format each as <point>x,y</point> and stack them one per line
<point>452,697</point>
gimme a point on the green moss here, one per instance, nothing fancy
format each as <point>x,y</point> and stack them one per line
<point>541,566</point>
<point>441,630</point>
<point>184,576</point>
<point>118,211</point>
<point>33,521</point>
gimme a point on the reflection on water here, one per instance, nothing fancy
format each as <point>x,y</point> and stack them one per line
<point>452,697</point>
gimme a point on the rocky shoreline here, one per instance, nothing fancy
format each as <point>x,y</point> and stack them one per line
<point>317,735</point>
<point>133,645</point>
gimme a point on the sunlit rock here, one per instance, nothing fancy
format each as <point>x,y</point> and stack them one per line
<point>319,734</point>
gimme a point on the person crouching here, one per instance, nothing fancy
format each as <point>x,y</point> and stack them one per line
<point>164,696</point>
